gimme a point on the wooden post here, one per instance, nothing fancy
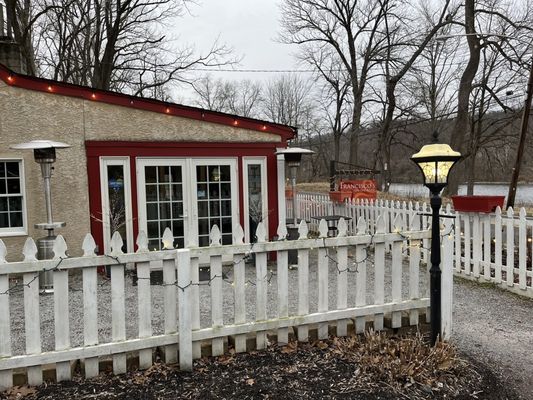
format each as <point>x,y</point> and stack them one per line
<point>183,267</point>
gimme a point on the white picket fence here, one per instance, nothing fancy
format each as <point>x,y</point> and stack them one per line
<point>495,247</point>
<point>259,299</point>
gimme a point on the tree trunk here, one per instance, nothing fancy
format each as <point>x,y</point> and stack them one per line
<point>465,87</point>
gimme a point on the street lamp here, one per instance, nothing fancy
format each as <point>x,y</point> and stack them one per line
<point>435,161</point>
<point>293,158</point>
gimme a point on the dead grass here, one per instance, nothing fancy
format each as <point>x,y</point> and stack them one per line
<point>402,361</point>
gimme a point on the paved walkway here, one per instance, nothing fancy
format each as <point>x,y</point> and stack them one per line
<point>496,327</point>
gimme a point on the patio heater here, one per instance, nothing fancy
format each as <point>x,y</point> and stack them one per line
<point>44,152</point>
<point>435,161</point>
<point>293,158</point>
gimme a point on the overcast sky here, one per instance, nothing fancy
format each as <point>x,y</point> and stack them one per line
<point>249,26</point>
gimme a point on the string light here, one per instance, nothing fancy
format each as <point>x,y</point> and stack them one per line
<point>49,88</point>
<point>10,78</point>
<point>93,96</point>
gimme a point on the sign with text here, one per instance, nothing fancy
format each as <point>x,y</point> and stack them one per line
<point>361,189</point>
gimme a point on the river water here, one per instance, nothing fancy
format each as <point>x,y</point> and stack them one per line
<point>524,193</point>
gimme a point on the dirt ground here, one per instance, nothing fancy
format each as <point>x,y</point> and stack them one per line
<point>319,371</point>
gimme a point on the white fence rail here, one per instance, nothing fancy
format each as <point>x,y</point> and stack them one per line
<point>90,318</point>
<point>493,248</point>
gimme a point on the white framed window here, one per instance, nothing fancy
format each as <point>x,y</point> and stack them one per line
<point>13,219</point>
<point>255,195</point>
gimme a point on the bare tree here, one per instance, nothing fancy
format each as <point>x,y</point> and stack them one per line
<point>405,45</point>
<point>350,29</point>
<point>486,22</point>
<point>110,44</point>
<point>287,99</point>
<point>236,97</point>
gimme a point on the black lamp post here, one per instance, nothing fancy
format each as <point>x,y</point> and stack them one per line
<point>435,161</point>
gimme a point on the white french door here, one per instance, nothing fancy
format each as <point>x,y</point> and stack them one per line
<point>116,201</point>
<point>162,200</point>
<point>188,196</point>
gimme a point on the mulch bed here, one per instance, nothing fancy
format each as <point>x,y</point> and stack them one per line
<point>371,367</point>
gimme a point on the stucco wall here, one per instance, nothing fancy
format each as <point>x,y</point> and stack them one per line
<point>27,115</point>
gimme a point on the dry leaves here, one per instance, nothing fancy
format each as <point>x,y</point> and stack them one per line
<point>18,392</point>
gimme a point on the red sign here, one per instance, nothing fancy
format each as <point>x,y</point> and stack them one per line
<point>361,189</point>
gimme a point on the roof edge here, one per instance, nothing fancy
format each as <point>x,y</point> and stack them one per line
<point>14,79</point>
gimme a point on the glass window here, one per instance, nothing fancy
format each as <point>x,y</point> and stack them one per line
<point>164,204</point>
<point>214,200</point>
<point>117,203</point>
<point>11,197</point>
<point>255,198</point>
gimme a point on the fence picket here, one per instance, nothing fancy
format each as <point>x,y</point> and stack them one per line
<point>379,272</point>
<point>61,322</point>
<point>195,304</point>
<point>476,244</point>
<point>283,284</point>
<point>487,246</point>
<point>90,317</point>
<point>239,279</point>
<point>342,278</point>
<point>183,267</point>
<point>498,240</point>
<point>414,270</point>
<point>144,304</point>
<point>6,376</point>
<point>217,317</point>
<point>118,319</point>
<point>510,247</point>
<point>396,272</point>
<point>303,283</point>
<point>323,266</point>
<point>458,231</point>
<point>522,249</point>
<point>425,224</point>
<point>447,282</point>
<point>467,247</point>
<point>361,254</point>
<point>262,279</point>
<point>32,324</point>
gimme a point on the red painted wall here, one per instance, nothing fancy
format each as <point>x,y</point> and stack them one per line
<point>96,149</point>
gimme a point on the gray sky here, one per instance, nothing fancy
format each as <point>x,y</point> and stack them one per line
<point>249,26</point>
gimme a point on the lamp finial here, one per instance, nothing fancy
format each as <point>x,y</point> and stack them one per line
<point>435,136</point>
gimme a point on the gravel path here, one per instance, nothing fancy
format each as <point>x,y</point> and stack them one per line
<point>496,327</point>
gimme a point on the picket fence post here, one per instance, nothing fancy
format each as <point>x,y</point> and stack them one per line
<point>183,267</point>
<point>447,280</point>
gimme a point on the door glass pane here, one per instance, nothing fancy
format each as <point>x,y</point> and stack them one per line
<point>117,203</point>
<point>255,196</point>
<point>214,200</point>
<point>164,204</point>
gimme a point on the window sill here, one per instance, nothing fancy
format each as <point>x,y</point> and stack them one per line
<point>13,233</point>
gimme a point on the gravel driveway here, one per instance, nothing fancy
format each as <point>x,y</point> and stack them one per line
<point>495,327</point>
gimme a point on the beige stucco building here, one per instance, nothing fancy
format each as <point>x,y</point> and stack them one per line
<point>162,164</point>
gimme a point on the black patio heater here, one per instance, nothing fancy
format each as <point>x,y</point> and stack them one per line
<point>435,161</point>
<point>44,152</point>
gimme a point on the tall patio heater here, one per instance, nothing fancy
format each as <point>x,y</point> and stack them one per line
<point>44,152</point>
<point>293,158</point>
